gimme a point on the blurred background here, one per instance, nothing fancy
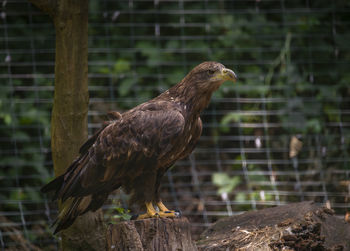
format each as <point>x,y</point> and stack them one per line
<point>292,58</point>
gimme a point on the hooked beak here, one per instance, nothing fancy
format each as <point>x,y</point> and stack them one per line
<point>228,74</point>
<point>225,75</point>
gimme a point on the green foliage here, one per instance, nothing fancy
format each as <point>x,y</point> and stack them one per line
<point>122,76</point>
<point>118,213</point>
<point>297,115</point>
<point>225,183</point>
<point>122,215</point>
<point>285,76</point>
<point>227,119</point>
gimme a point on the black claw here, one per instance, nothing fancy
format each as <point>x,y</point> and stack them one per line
<point>178,213</point>
<point>134,217</point>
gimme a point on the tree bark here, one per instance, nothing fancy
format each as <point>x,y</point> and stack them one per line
<point>298,226</point>
<point>162,234</point>
<point>70,107</point>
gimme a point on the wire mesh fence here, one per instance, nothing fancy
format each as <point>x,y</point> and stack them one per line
<point>292,59</point>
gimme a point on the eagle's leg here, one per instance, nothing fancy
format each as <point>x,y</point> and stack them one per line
<point>151,212</point>
<point>163,210</point>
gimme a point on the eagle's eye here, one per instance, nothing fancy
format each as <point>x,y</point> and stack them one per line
<point>211,72</point>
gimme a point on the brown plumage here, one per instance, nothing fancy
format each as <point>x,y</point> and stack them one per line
<point>136,148</point>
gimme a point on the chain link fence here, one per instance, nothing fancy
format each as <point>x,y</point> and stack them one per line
<point>292,59</point>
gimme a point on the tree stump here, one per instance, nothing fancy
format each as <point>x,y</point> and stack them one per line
<point>151,234</point>
<point>297,226</point>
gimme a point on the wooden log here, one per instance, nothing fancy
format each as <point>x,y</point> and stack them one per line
<point>297,226</point>
<point>161,234</point>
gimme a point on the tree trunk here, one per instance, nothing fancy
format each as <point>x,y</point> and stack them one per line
<point>70,108</point>
<point>163,234</point>
<point>298,226</point>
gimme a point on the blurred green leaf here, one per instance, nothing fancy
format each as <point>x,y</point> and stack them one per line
<point>125,86</point>
<point>121,66</point>
<point>227,119</point>
<point>314,125</point>
<point>225,183</point>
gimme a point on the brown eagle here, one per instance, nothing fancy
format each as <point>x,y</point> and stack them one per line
<point>137,147</point>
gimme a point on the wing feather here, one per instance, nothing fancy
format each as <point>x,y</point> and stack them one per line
<point>124,145</point>
<point>136,140</point>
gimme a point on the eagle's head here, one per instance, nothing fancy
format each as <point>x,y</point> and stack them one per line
<point>199,84</point>
<point>208,76</point>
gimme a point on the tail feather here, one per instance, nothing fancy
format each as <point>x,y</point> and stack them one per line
<point>75,198</point>
<point>53,185</point>
<point>74,207</point>
<point>68,184</point>
<point>96,202</point>
<point>67,215</point>
<point>57,183</point>
<point>67,189</point>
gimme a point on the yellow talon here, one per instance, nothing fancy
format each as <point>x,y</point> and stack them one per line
<point>168,214</point>
<point>163,212</point>
<point>151,212</point>
<point>162,207</point>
